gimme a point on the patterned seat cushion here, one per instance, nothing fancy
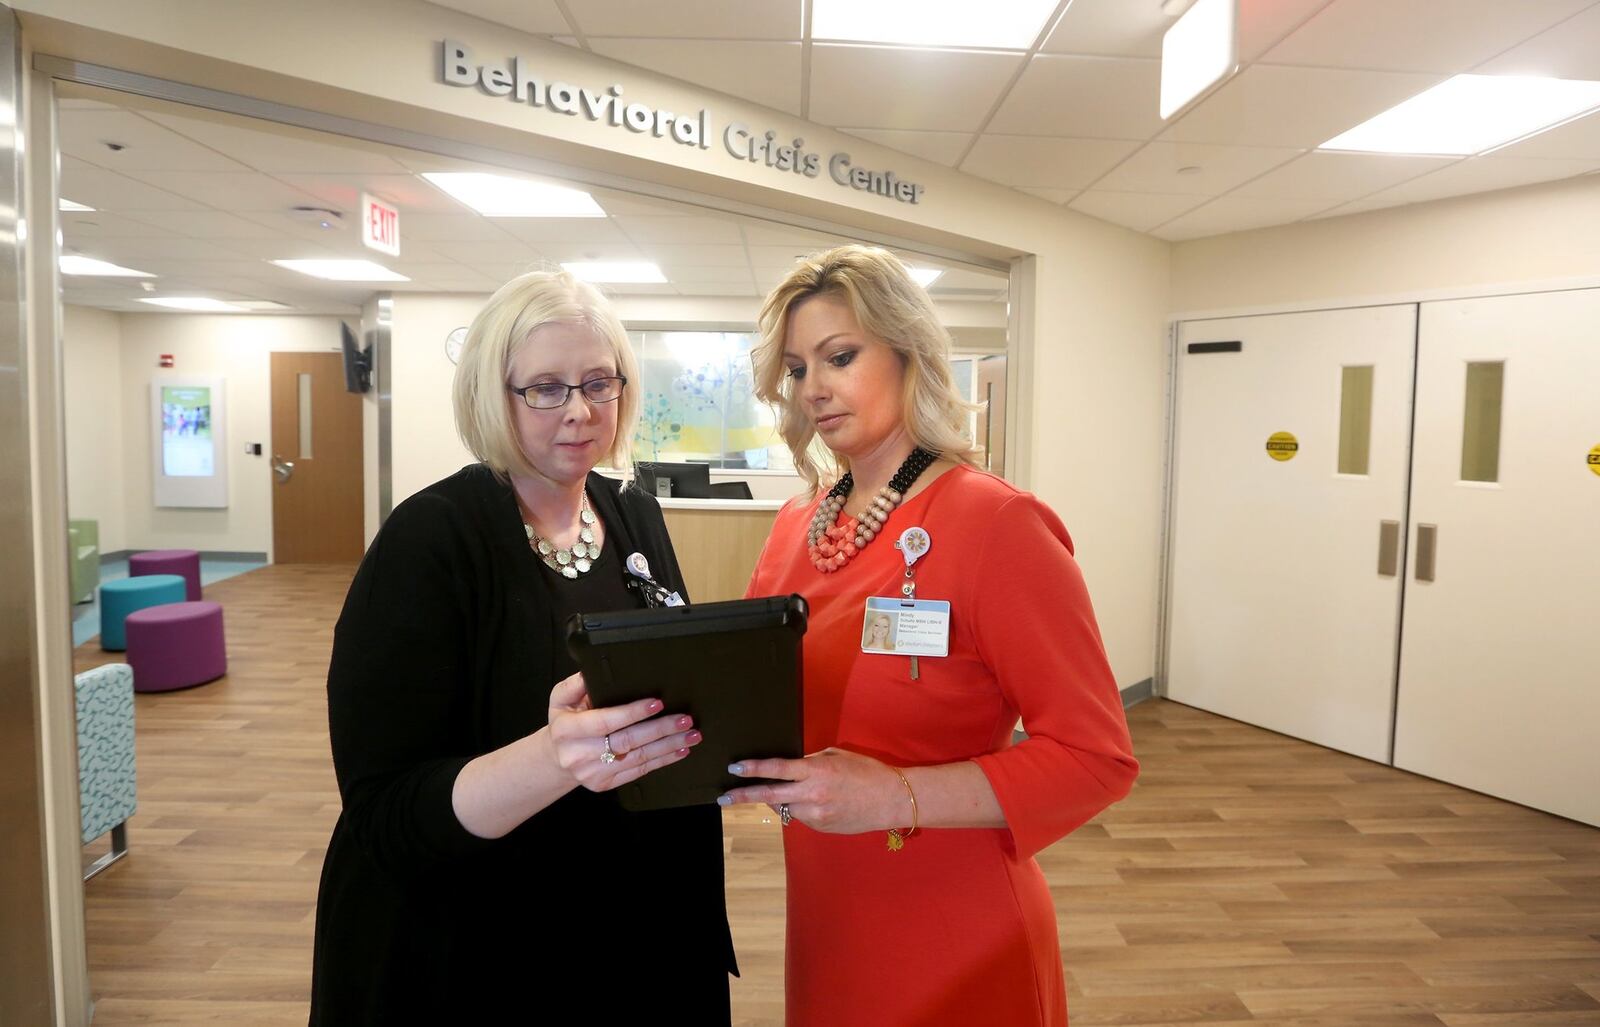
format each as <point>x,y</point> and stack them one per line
<point>105,747</point>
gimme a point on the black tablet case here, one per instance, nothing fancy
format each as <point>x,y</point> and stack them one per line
<point>735,667</point>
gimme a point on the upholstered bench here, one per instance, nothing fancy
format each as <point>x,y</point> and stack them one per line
<point>125,595</point>
<point>183,562</point>
<point>107,796</point>
<point>176,646</point>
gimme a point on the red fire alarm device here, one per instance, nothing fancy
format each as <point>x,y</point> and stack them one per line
<point>166,360</point>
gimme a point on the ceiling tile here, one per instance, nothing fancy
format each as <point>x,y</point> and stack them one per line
<point>508,252</point>
<point>559,252</point>
<point>764,73</point>
<point>85,134</point>
<point>103,224</point>
<point>539,17</point>
<point>412,194</point>
<point>717,289</point>
<point>1479,174</point>
<point>1087,97</point>
<point>702,255</point>
<point>228,190</point>
<point>690,19</point>
<point>1268,105</point>
<point>1578,139</point>
<point>274,148</point>
<point>567,230</point>
<point>689,274</point>
<point>453,228</point>
<point>1112,28</point>
<point>1568,50</point>
<point>1444,36</point>
<point>1045,162</point>
<point>286,244</point>
<point>1138,211</point>
<point>1262,23</point>
<point>867,86</point>
<point>1236,214</point>
<point>1157,168</point>
<point>1338,176</point>
<point>940,147</point>
<point>107,190</point>
<point>615,202</point>
<point>209,224</point>
<point>704,230</point>
<point>771,233</point>
<point>1053,195</point>
<point>767,258</point>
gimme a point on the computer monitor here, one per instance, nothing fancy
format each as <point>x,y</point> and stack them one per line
<point>685,481</point>
<point>730,490</point>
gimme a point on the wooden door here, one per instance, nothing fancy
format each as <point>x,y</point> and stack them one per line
<point>316,461</point>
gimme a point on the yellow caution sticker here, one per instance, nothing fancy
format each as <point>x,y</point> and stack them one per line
<point>1594,459</point>
<point>1282,445</point>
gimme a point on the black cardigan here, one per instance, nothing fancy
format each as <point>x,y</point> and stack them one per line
<point>444,651</point>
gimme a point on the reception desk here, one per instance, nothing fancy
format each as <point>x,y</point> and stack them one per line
<point>718,542</point>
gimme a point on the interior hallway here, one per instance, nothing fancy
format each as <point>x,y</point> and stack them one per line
<point>1250,878</point>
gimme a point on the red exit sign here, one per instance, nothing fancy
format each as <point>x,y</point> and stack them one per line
<point>380,225</point>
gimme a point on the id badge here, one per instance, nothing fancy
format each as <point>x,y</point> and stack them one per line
<point>906,627</point>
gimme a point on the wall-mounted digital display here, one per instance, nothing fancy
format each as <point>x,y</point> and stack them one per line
<point>189,442</point>
<point>187,447</point>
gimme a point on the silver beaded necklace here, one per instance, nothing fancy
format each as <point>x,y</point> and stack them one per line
<point>580,556</point>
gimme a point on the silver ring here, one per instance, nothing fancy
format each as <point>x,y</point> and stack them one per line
<point>608,756</point>
<point>784,816</point>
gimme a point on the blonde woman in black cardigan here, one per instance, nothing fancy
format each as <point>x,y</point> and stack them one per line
<point>478,872</point>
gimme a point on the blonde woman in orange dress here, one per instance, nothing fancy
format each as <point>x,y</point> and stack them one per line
<point>910,830</point>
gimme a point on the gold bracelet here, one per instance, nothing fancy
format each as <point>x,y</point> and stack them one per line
<point>897,838</point>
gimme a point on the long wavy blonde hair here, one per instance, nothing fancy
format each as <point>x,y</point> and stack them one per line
<point>481,398</point>
<point>889,305</point>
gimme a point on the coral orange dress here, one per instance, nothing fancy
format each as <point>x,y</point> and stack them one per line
<point>958,926</point>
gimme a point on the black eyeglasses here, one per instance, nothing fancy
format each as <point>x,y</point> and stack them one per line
<point>550,395</point>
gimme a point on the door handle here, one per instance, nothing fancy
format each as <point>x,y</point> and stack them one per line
<point>1427,544</point>
<point>1388,548</point>
<point>284,469</point>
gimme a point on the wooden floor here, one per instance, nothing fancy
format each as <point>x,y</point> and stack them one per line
<point>1250,878</point>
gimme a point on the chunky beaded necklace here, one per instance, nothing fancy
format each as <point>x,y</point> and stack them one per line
<point>576,560</point>
<point>831,545</point>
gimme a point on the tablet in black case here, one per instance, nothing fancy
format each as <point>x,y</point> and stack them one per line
<point>734,667</point>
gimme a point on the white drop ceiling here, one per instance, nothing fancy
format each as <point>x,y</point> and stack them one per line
<point>204,202</point>
<point>1073,118</point>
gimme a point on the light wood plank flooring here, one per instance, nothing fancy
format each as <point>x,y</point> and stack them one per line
<point>1250,878</point>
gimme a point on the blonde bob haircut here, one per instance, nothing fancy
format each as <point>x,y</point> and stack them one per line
<point>887,304</point>
<point>482,397</point>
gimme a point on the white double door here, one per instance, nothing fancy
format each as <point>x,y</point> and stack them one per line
<point>1297,598</point>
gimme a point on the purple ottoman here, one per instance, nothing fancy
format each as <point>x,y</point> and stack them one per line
<point>175,646</point>
<point>183,562</point>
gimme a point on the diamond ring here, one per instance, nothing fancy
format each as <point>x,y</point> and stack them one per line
<point>608,756</point>
<point>784,816</point>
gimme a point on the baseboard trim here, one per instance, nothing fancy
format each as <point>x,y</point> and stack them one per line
<point>205,554</point>
<point>1138,692</point>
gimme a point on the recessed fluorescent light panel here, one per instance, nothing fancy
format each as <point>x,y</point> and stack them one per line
<point>1469,114</point>
<point>343,270</point>
<point>617,272</point>
<point>73,207</point>
<point>72,264</point>
<point>924,276</point>
<point>502,196</point>
<point>1198,51</point>
<point>955,24</point>
<point>199,304</point>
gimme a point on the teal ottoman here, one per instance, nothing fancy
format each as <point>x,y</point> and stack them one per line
<point>125,595</point>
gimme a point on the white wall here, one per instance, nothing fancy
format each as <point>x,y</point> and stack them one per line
<point>1093,339</point>
<point>238,349</point>
<point>92,359</point>
<point>1535,234</point>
